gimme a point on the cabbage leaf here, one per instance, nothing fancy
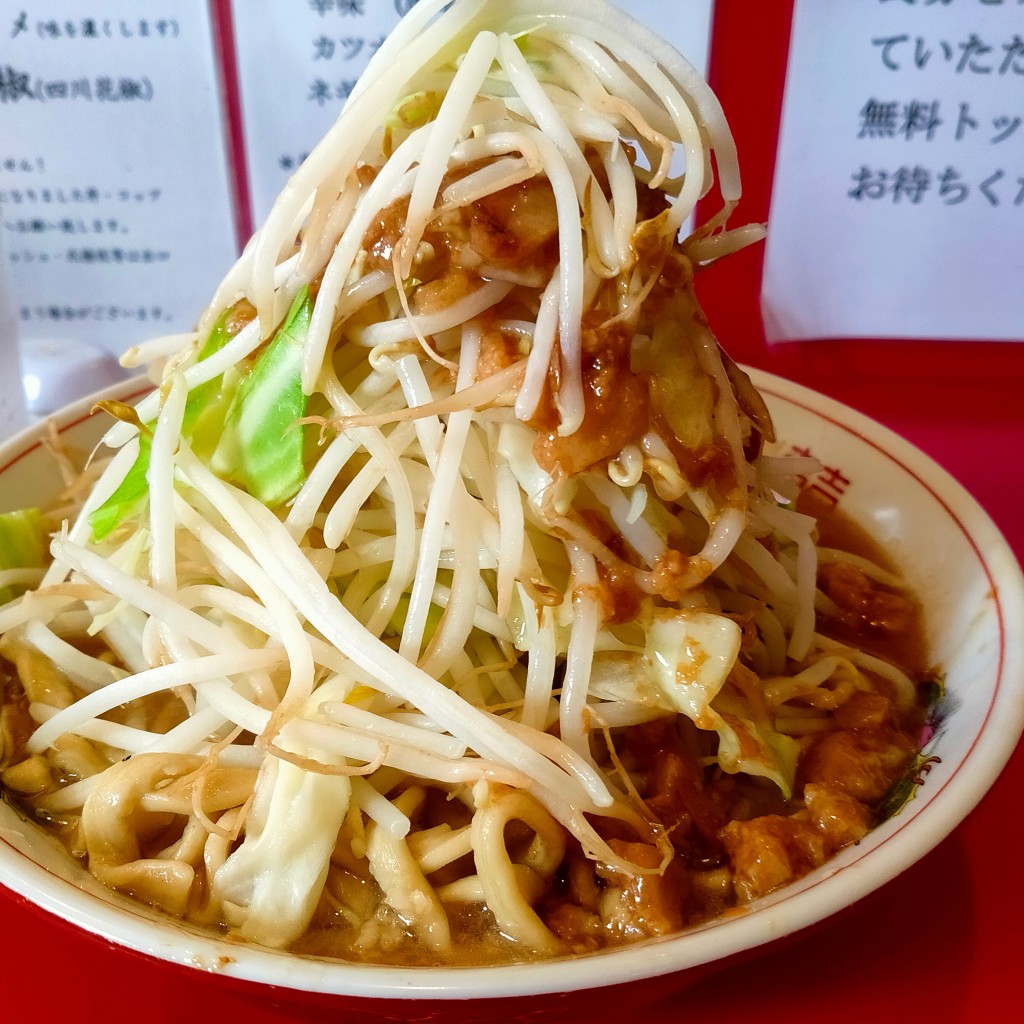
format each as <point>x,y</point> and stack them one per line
<point>22,544</point>
<point>692,653</point>
<point>262,445</point>
<point>242,421</point>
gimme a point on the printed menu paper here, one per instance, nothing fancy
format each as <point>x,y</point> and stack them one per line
<point>114,189</point>
<point>298,61</point>
<point>898,204</point>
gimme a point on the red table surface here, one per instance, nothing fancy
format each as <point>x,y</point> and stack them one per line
<point>941,942</point>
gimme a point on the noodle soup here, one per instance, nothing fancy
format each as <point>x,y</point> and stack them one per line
<point>445,600</point>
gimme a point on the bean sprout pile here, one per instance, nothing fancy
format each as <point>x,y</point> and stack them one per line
<point>450,492</point>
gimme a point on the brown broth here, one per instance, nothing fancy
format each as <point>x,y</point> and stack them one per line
<point>716,822</point>
<point>906,646</point>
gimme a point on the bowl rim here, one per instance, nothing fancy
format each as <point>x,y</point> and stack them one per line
<point>849,881</point>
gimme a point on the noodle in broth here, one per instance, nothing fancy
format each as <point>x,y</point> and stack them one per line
<point>442,600</point>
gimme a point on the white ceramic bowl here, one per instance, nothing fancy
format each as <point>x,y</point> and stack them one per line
<point>952,554</point>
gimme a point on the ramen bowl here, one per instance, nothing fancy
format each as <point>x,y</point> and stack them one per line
<point>973,596</point>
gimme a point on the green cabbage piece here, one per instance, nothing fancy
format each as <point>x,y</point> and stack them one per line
<point>261,447</point>
<point>22,545</point>
<point>128,495</point>
<point>242,423</point>
<point>201,408</point>
<point>207,403</point>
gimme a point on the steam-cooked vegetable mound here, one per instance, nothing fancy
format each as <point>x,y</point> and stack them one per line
<point>442,597</point>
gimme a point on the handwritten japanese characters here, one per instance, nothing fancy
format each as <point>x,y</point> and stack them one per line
<point>902,142</point>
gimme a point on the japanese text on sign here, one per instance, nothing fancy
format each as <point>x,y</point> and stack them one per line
<point>92,170</point>
<point>902,142</point>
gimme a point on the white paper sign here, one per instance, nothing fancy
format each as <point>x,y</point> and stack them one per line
<point>898,206</point>
<point>114,189</point>
<point>298,60</point>
<point>12,402</point>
